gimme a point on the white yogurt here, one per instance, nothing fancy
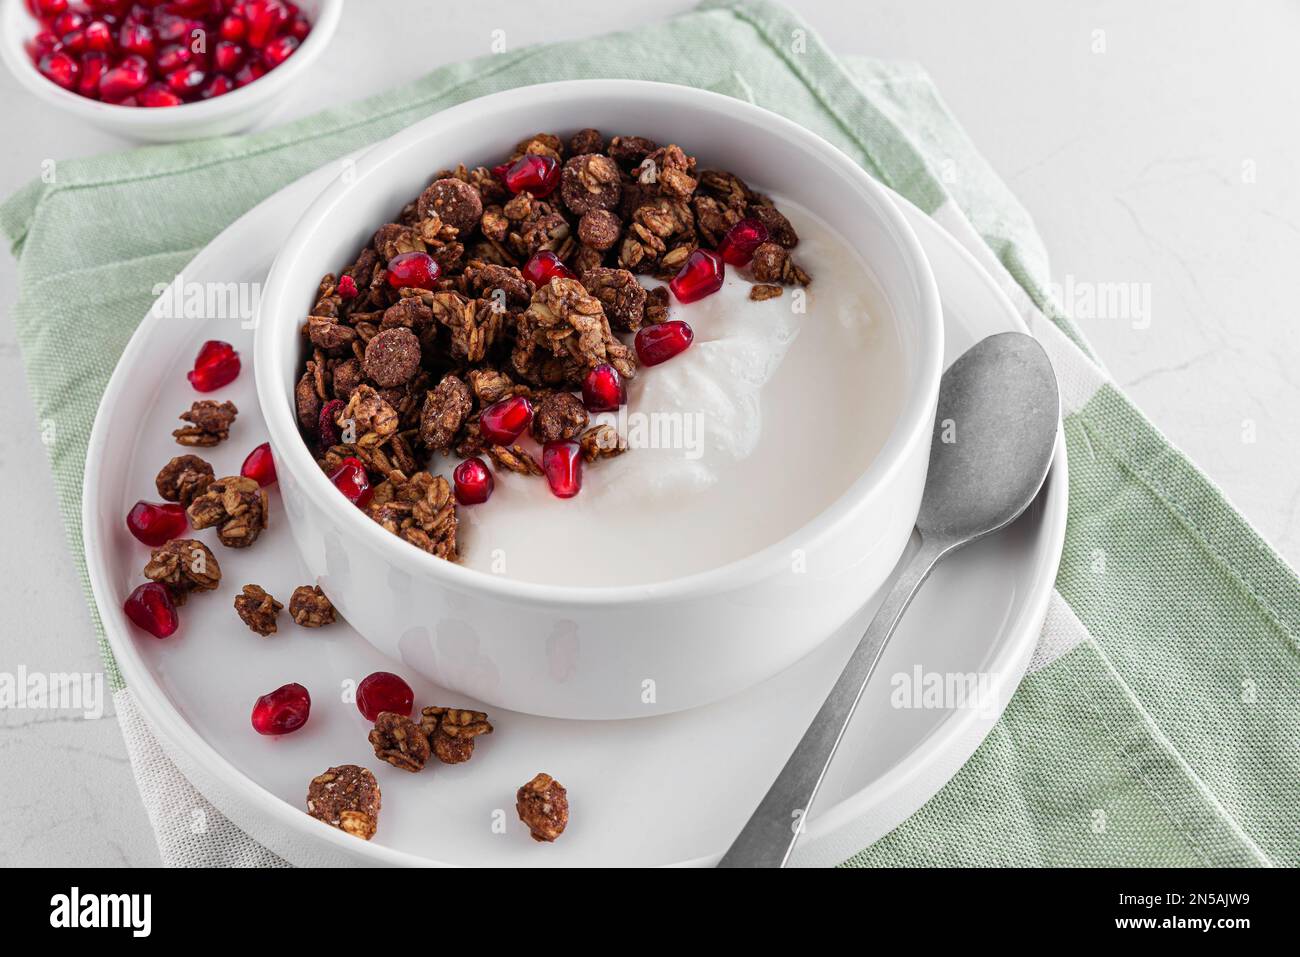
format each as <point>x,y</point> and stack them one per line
<point>768,417</point>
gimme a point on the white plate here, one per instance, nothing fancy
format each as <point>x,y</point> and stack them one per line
<point>665,790</point>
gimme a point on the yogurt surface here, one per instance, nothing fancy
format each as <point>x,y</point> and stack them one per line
<point>771,414</point>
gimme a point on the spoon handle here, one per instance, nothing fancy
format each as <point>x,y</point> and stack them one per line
<point>775,825</point>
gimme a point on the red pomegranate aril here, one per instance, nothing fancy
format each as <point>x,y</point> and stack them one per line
<point>278,50</point>
<point>662,341</point>
<point>136,38</point>
<point>299,29</point>
<point>151,607</point>
<point>544,266</point>
<point>155,94</point>
<point>259,466</point>
<point>327,430</point>
<point>219,85</point>
<point>700,276</point>
<point>233,27</point>
<point>128,77</point>
<point>74,42</point>
<point>738,245</point>
<point>93,66</point>
<point>156,523</point>
<point>41,44</point>
<point>350,478</point>
<point>537,174</point>
<point>562,463</point>
<point>414,270</point>
<point>384,691</point>
<point>169,28</point>
<point>250,71</point>
<point>173,57</point>
<point>499,171</point>
<point>59,67</point>
<point>187,79</point>
<point>217,364</point>
<point>473,481</point>
<point>67,21</point>
<point>226,56</point>
<point>285,709</point>
<point>99,37</point>
<point>265,17</point>
<point>503,422</point>
<point>49,9</point>
<point>347,288</point>
<point>603,390</point>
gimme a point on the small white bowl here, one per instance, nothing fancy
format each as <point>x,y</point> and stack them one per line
<point>580,651</point>
<point>238,110</point>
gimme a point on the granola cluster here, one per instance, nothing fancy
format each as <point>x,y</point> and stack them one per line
<point>395,373</point>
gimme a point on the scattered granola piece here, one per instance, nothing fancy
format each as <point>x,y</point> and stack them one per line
<point>558,415</point>
<point>623,298</point>
<point>601,442</point>
<point>209,423</point>
<point>456,203</point>
<point>183,565</point>
<point>600,229</point>
<point>514,458</point>
<point>762,291</point>
<point>184,477</point>
<point>346,797</point>
<point>392,357</point>
<point>445,410</point>
<point>309,607</point>
<point>399,741</point>
<point>656,305</point>
<point>236,505</point>
<point>543,805</point>
<point>590,182</point>
<point>369,415</point>
<point>257,609</point>
<point>586,141</point>
<point>778,227</point>
<point>631,150</point>
<point>451,732</point>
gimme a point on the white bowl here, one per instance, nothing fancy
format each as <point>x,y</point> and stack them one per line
<point>697,638</point>
<point>238,110</point>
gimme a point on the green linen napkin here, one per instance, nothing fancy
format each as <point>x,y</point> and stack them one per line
<point>1158,725</point>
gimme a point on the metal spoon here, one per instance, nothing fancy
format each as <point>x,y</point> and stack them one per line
<point>993,439</point>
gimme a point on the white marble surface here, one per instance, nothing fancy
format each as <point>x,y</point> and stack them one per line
<point>1167,160</point>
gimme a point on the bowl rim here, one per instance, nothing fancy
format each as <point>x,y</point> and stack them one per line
<point>134,118</point>
<point>913,424</point>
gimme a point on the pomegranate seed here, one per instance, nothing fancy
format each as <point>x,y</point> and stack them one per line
<point>503,422</point>
<point>233,28</point>
<point>499,171</point>
<point>473,482</point>
<point>155,94</point>
<point>227,56</point>
<point>603,389</point>
<point>67,21</point>
<point>187,79</point>
<point>59,67</point>
<point>265,18</point>
<point>219,85</point>
<point>217,364</point>
<point>350,478</point>
<point>169,28</point>
<point>299,29</point>
<point>537,174</point>
<point>43,43</point>
<point>93,66</point>
<point>285,709</point>
<point>662,341</point>
<point>49,9</point>
<point>136,38</point>
<point>156,523</point>
<point>259,466</point>
<point>347,288</point>
<point>74,42</point>
<point>737,246</point>
<point>250,71</point>
<point>173,57</point>
<point>327,430</point>
<point>128,77</point>
<point>384,691</point>
<point>700,276</point>
<point>278,50</point>
<point>99,37</point>
<point>562,463</point>
<point>545,266</point>
<point>151,607</point>
<point>414,270</point>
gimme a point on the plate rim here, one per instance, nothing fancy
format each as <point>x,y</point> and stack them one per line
<point>166,721</point>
